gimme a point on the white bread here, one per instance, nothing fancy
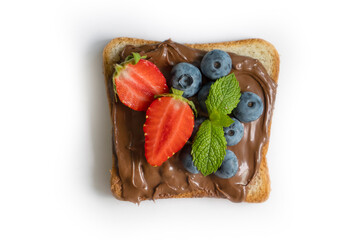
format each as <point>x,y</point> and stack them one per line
<point>258,189</point>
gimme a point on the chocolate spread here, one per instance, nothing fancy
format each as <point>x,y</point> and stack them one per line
<point>140,181</point>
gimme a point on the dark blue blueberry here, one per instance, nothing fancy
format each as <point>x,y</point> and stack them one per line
<point>203,94</point>
<point>197,124</point>
<point>249,108</point>
<point>234,132</point>
<point>216,64</point>
<point>229,166</point>
<point>186,77</point>
<point>187,160</point>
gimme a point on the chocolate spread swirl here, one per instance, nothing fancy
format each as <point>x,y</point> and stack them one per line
<point>140,181</point>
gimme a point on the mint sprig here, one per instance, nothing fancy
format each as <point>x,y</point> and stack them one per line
<point>224,95</point>
<point>220,119</point>
<point>209,146</point>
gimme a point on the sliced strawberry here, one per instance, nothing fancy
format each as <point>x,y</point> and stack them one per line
<point>169,124</point>
<point>137,81</point>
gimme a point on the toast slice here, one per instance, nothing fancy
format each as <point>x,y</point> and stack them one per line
<point>258,189</point>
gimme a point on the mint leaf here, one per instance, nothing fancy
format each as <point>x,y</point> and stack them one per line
<point>224,95</point>
<point>209,146</point>
<point>208,149</point>
<point>220,119</point>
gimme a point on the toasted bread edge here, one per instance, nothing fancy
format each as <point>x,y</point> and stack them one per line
<point>258,190</point>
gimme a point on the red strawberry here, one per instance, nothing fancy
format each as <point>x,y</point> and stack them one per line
<point>169,124</point>
<point>137,81</point>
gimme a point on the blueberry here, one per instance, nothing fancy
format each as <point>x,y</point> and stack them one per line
<point>186,77</point>
<point>216,64</point>
<point>187,160</point>
<point>197,124</point>
<point>203,94</point>
<point>229,166</point>
<point>249,108</point>
<point>234,132</point>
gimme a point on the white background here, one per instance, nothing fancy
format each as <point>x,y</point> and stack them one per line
<point>55,129</point>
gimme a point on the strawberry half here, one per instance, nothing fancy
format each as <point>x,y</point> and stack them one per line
<point>169,124</point>
<point>136,82</point>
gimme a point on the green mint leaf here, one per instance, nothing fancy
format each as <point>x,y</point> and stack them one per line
<point>209,147</point>
<point>226,121</point>
<point>224,95</point>
<point>220,119</point>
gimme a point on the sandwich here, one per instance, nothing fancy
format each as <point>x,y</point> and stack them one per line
<point>190,120</point>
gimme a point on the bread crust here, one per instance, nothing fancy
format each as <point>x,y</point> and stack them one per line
<point>258,190</point>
